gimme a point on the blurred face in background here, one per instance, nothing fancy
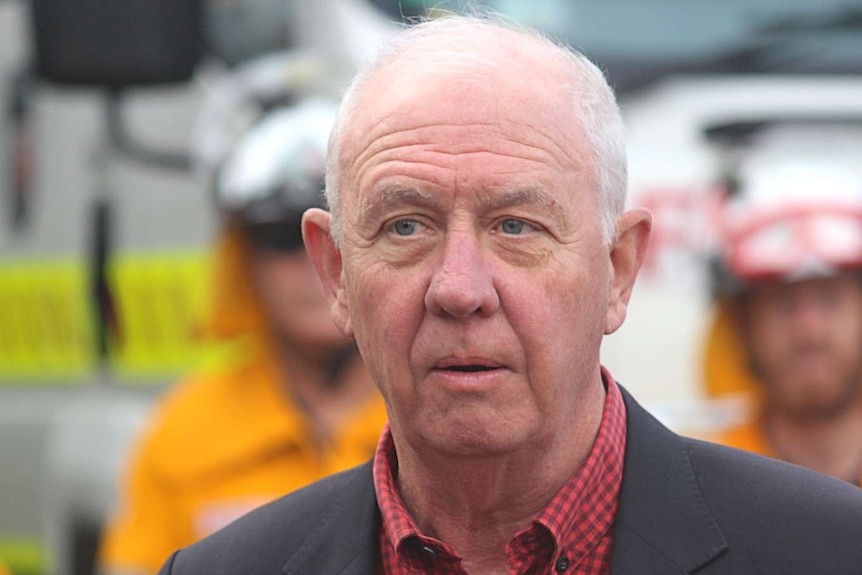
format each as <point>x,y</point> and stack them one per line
<point>290,293</point>
<point>805,343</point>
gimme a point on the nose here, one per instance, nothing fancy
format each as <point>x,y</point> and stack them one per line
<point>462,283</point>
<point>812,313</point>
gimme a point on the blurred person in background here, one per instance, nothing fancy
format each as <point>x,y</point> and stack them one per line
<point>299,407</point>
<point>788,286</point>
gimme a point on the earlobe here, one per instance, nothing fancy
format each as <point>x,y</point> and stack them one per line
<point>626,257</point>
<point>326,259</point>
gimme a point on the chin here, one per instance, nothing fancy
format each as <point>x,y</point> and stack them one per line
<point>819,403</point>
<point>473,448</point>
<point>473,438</point>
<point>320,342</point>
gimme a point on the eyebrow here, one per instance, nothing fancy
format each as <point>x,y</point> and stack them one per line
<point>536,196</point>
<point>506,198</point>
<point>389,198</point>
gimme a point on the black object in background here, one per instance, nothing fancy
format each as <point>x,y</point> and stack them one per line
<point>117,43</point>
<point>107,320</point>
<point>21,150</point>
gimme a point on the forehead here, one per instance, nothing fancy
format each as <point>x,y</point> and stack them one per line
<point>514,106</point>
<point>522,95</point>
<point>845,283</point>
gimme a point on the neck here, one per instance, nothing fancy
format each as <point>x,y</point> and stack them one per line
<point>477,505</point>
<point>327,396</point>
<point>829,445</point>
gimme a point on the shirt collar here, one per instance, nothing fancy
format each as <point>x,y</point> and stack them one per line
<point>576,518</point>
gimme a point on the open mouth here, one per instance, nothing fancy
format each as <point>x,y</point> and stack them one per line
<point>470,368</point>
<point>467,365</point>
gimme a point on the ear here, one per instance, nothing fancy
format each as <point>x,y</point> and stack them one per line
<point>627,255</point>
<point>326,259</point>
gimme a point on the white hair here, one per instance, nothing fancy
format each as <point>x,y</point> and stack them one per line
<point>464,39</point>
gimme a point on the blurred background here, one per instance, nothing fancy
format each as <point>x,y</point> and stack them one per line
<point>116,115</point>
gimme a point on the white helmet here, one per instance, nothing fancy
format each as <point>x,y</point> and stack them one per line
<point>282,159</point>
<point>276,172</point>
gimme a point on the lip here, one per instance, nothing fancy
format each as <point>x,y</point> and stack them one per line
<point>452,363</point>
<point>468,373</point>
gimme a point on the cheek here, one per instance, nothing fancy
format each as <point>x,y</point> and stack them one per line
<point>579,298</point>
<point>562,319</point>
<point>289,290</point>
<point>385,310</point>
<point>767,340</point>
<point>849,337</point>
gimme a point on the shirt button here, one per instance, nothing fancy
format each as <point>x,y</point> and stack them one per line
<point>562,564</point>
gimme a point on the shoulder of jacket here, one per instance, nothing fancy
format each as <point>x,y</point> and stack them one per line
<point>265,540</point>
<point>778,512</point>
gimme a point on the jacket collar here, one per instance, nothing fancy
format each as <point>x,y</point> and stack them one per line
<point>662,525</point>
<point>345,538</point>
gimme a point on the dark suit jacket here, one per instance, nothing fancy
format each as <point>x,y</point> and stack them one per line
<point>686,507</point>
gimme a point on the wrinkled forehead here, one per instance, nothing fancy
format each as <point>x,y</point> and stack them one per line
<point>511,85</point>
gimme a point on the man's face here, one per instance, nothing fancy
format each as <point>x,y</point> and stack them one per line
<point>293,302</point>
<point>805,341</point>
<point>474,274</point>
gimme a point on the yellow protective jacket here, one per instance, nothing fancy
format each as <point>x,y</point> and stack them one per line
<point>726,374</point>
<point>223,442</point>
<point>725,366</point>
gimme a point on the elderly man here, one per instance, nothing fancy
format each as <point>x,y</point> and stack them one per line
<point>478,251</point>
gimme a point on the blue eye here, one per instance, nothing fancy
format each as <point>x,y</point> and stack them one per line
<point>405,227</point>
<point>513,227</point>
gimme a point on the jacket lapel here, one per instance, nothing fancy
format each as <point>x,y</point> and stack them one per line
<point>344,540</point>
<point>663,525</point>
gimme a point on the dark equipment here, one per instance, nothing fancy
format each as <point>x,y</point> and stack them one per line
<point>117,43</point>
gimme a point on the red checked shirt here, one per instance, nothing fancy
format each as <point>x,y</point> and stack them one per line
<point>572,535</point>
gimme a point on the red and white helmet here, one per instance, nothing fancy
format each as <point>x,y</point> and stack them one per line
<point>792,206</point>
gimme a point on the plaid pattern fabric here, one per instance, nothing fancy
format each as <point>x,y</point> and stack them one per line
<point>572,535</point>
